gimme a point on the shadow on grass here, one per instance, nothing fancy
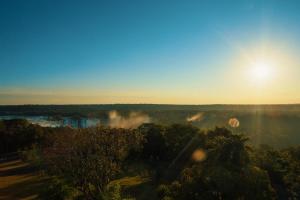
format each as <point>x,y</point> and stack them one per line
<point>13,171</point>
<point>18,181</point>
<point>25,189</point>
<point>10,163</point>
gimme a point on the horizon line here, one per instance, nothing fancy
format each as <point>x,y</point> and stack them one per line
<point>163,104</point>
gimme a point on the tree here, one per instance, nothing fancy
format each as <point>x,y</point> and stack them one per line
<point>177,138</point>
<point>226,173</point>
<point>19,134</point>
<point>88,159</point>
<point>154,145</point>
<point>283,167</point>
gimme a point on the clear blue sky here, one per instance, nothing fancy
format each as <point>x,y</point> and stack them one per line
<point>142,51</point>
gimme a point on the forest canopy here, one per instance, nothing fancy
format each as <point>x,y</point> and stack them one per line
<point>179,161</point>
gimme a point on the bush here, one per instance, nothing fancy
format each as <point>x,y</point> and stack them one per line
<point>33,156</point>
<point>113,192</point>
<point>58,190</point>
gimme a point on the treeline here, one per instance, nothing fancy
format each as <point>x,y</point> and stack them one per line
<point>182,162</point>
<point>96,110</point>
<point>19,134</point>
<point>275,125</point>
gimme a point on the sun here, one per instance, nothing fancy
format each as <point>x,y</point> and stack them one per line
<point>261,70</point>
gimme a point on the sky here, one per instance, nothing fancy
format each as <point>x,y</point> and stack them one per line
<point>168,52</point>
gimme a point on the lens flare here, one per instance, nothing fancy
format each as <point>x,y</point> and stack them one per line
<point>234,122</point>
<point>199,155</point>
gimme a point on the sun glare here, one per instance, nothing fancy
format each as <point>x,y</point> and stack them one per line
<point>261,71</point>
<point>262,67</point>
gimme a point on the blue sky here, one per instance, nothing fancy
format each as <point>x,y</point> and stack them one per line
<point>142,51</point>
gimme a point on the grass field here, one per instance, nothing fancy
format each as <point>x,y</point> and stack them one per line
<point>19,181</point>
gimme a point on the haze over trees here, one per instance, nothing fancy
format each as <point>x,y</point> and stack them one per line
<point>274,125</point>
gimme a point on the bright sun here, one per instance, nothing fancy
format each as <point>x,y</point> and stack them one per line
<point>261,70</point>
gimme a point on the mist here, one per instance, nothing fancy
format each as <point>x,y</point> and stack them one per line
<point>134,120</point>
<point>196,117</point>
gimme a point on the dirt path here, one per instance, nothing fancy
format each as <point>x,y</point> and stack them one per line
<point>19,181</point>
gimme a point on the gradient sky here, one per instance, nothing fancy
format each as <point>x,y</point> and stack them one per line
<point>147,51</point>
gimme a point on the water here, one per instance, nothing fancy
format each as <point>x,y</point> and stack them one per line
<point>46,121</point>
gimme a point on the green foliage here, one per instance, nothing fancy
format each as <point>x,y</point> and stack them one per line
<point>154,145</point>
<point>283,168</point>
<point>177,137</point>
<point>227,149</point>
<point>89,158</point>
<point>85,162</point>
<point>112,192</point>
<point>171,191</point>
<point>57,190</point>
<point>19,134</point>
<point>226,173</point>
<point>165,143</point>
<point>33,156</point>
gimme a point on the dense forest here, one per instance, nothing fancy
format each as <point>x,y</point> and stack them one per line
<point>171,161</point>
